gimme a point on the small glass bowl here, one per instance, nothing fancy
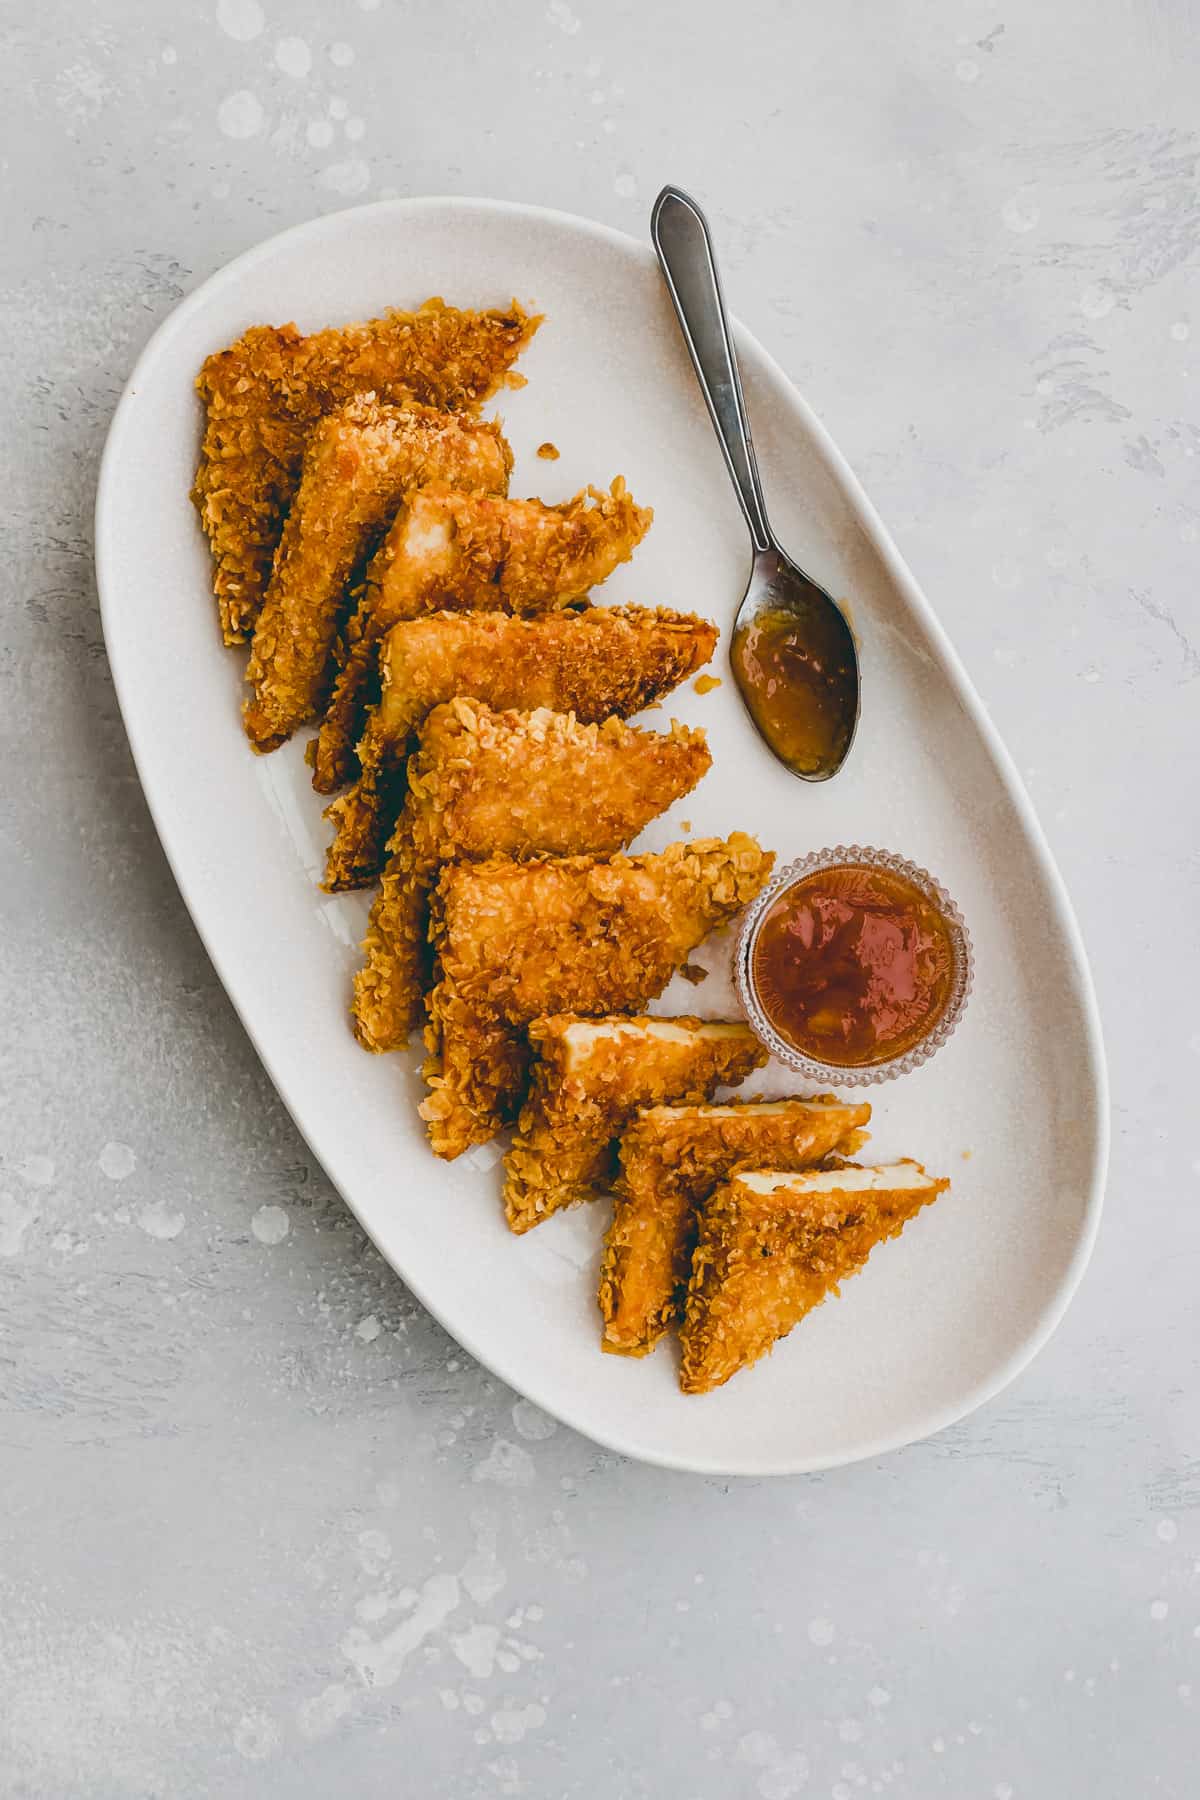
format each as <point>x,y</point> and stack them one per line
<point>841,856</point>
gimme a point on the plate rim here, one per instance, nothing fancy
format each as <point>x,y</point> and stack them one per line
<point>1005,1372</point>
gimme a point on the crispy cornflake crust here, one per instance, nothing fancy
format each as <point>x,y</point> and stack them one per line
<point>516,940</point>
<point>580,1100</point>
<point>458,552</point>
<point>764,1260</point>
<point>608,661</point>
<point>263,394</point>
<point>517,784</point>
<point>671,1159</point>
<point>359,464</point>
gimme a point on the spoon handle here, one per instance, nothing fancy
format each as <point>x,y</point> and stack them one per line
<point>684,245</point>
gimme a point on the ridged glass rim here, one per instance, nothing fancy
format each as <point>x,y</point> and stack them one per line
<point>854,856</point>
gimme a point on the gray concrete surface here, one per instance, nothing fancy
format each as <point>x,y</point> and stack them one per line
<point>232,1450</point>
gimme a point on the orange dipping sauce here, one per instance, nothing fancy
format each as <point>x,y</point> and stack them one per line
<point>853,965</point>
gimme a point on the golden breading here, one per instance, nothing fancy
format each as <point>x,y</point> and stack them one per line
<point>263,394</point>
<point>516,940</point>
<point>596,664</point>
<point>359,464</point>
<point>589,1078</point>
<point>672,1157</point>
<point>455,552</point>
<point>513,784</point>
<point>773,1245</point>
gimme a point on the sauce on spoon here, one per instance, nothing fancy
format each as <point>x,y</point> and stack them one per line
<point>795,668</point>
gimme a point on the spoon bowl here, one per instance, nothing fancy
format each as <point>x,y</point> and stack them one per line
<point>793,653</point>
<point>795,662</point>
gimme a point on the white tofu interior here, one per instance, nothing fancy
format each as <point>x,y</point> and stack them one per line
<point>887,1178</point>
<point>584,1035</point>
<point>755,1109</point>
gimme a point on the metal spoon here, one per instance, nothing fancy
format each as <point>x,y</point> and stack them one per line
<point>793,653</point>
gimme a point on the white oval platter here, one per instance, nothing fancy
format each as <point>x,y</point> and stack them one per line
<point>1014,1109</point>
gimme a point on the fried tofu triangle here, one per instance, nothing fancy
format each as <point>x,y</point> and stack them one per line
<point>359,464</point>
<point>515,784</point>
<point>263,394</point>
<point>516,940</point>
<point>672,1157</point>
<point>454,552</point>
<point>774,1245</point>
<point>589,1078</point>
<point>596,664</point>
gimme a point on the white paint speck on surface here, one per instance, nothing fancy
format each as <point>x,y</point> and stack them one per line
<point>341,55</point>
<point>1097,300</point>
<point>1166,1531</point>
<point>879,1696</point>
<point>338,107</point>
<point>1020,213</point>
<point>821,1631</point>
<point>240,115</point>
<point>476,1649</point>
<point>370,1608</point>
<point>625,186</point>
<point>117,1161</point>
<point>319,133</point>
<point>507,1465</point>
<point>510,1723</point>
<point>16,1216</point>
<point>381,1663</point>
<point>317,1716</point>
<point>368,1329</point>
<point>1159,1610</point>
<point>159,1219</point>
<point>560,14</point>
<point>241,20</point>
<point>966,70</point>
<point>531,1422</point>
<point>374,1552</point>
<point>169,54</point>
<point>294,57</point>
<point>348,178</point>
<point>36,1171</point>
<point>271,1224</point>
<point>787,1777</point>
<point>355,130</point>
<point>257,1737</point>
<point>483,1575</point>
<point>1181,331</point>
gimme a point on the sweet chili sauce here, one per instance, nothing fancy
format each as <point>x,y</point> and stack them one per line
<point>853,965</point>
<point>798,682</point>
